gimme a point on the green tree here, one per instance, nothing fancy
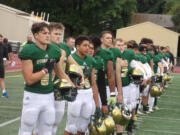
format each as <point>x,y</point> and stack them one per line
<point>172,7</point>
<point>150,6</point>
<point>82,16</point>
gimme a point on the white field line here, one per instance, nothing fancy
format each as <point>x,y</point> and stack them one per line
<point>160,131</point>
<point>9,122</point>
<point>151,117</point>
<point>172,103</point>
<point>170,96</point>
<point>170,109</point>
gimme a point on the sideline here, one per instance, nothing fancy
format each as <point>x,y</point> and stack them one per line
<point>10,107</point>
<point>9,122</point>
<point>159,131</point>
<point>13,76</point>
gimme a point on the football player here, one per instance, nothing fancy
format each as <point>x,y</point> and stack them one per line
<point>106,38</point>
<point>38,61</point>
<point>56,30</point>
<point>80,111</point>
<point>127,56</point>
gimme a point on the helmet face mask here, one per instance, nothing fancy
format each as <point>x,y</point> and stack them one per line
<point>74,74</point>
<point>121,114</point>
<point>137,79</point>
<point>136,76</point>
<point>64,91</point>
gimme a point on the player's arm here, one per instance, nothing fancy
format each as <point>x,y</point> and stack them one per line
<point>63,56</point>
<point>118,80</point>
<point>102,90</point>
<point>161,66</point>
<point>110,76</point>
<point>61,74</point>
<point>152,64</point>
<point>94,88</point>
<point>27,70</point>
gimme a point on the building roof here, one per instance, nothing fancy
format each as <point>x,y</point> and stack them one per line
<point>160,35</point>
<point>162,20</point>
<point>7,8</point>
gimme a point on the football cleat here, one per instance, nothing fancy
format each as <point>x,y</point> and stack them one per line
<point>5,95</point>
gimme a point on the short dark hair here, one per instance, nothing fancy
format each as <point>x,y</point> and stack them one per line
<point>80,39</point>
<point>116,40</point>
<point>162,48</point>
<point>105,32</point>
<point>1,35</point>
<point>95,41</point>
<point>146,41</point>
<point>68,38</point>
<point>5,40</point>
<point>142,48</point>
<point>132,44</point>
<point>37,27</point>
<point>55,25</point>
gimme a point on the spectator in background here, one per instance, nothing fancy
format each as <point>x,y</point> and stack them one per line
<point>3,56</point>
<point>70,41</point>
<point>8,47</point>
<point>29,41</point>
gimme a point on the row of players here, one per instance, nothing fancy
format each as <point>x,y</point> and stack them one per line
<point>104,75</point>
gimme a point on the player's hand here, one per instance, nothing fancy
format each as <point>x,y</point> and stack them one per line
<point>97,112</point>
<point>81,85</point>
<point>149,81</point>
<point>104,109</point>
<point>119,99</point>
<point>50,64</point>
<point>143,82</point>
<point>112,99</point>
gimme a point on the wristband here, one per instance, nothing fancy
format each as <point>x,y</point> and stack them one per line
<point>45,71</point>
<point>113,94</point>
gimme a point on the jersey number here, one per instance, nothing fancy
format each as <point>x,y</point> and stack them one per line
<point>124,71</point>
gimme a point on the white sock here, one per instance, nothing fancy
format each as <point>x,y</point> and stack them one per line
<point>3,91</point>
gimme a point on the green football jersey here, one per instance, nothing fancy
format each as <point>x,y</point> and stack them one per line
<point>106,55</point>
<point>160,55</point>
<point>167,55</point>
<point>87,64</point>
<point>116,54</point>
<point>39,58</point>
<point>142,58</point>
<point>149,56</point>
<point>99,64</point>
<point>156,60</point>
<point>66,48</point>
<point>128,55</point>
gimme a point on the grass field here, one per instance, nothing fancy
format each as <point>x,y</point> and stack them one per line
<point>166,121</point>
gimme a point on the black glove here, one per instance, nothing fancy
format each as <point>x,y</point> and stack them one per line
<point>50,64</point>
